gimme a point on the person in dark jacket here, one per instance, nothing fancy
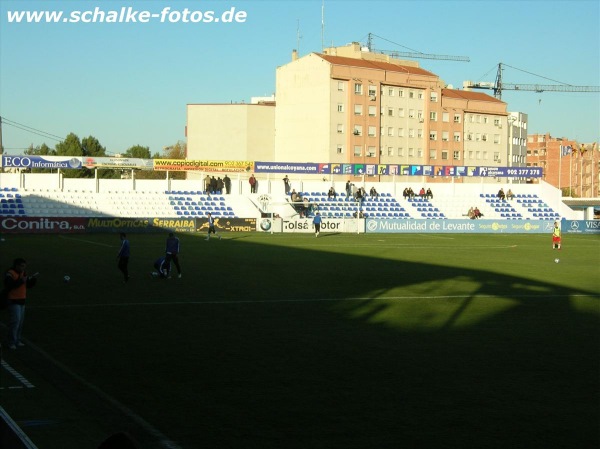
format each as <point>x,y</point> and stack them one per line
<point>16,283</point>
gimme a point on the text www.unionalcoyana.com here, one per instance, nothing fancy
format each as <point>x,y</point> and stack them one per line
<point>128,14</point>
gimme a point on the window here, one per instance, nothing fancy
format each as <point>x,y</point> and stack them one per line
<point>401,93</point>
<point>390,112</point>
<point>469,136</point>
<point>485,156</point>
<point>340,107</point>
<point>444,154</point>
<point>456,118</point>
<point>340,149</point>
<point>420,95</point>
<point>340,128</point>
<point>477,137</point>
<point>357,130</point>
<point>457,137</point>
<point>445,136</point>
<point>445,117</point>
<point>496,157</point>
<point>471,154</point>
<point>432,154</point>
<point>357,150</point>
<point>433,116</point>
<point>496,122</point>
<point>496,138</point>
<point>390,131</point>
<point>411,152</point>
<point>358,109</point>
<point>400,132</point>
<point>485,120</point>
<point>420,115</point>
<point>401,112</point>
<point>433,97</point>
<point>484,137</point>
<point>456,155</point>
<point>411,132</point>
<point>477,155</point>
<point>372,131</point>
<point>411,113</point>
<point>391,92</point>
<point>372,111</point>
<point>420,153</point>
<point>390,151</point>
<point>358,88</point>
<point>420,133</point>
<point>372,90</point>
<point>341,85</point>
<point>371,152</point>
<point>433,135</point>
<point>411,94</point>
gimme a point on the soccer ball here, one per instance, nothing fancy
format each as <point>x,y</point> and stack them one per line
<point>556,260</point>
<point>67,279</point>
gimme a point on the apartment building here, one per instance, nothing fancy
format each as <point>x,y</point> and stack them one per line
<point>348,105</point>
<point>570,166</point>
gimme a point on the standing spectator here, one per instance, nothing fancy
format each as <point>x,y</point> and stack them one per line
<point>348,188</point>
<point>16,283</point>
<point>172,254</point>
<point>211,227</point>
<point>286,184</point>
<point>227,182</point>
<point>123,257</point>
<point>207,184</point>
<point>317,223</point>
<point>556,238</point>
<point>213,185</point>
<point>252,182</point>
<point>220,185</point>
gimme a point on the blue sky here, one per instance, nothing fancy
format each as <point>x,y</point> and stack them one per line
<point>129,83</point>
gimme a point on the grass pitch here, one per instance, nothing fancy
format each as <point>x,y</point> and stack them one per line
<point>291,341</point>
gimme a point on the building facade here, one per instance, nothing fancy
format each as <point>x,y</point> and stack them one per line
<point>348,105</point>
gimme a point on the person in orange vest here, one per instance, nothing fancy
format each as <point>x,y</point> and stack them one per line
<point>16,283</point>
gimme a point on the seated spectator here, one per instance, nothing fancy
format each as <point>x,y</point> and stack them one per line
<point>358,196</point>
<point>405,192</point>
<point>471,213</point>
<point>477,213</point>
<point>373,192</point>
<point>429,193</point>
<point>411,193</point>
<point>332,193</point>
<point>295,197</point>
<point>510,195</point>
<point>501,195</point>
<point>422,192</point>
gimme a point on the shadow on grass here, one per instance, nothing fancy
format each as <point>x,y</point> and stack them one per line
<point>267,346</point>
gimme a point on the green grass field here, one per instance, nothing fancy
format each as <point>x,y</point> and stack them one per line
<point>289,341</point>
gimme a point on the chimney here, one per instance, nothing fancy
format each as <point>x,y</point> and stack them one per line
<point>294,55</point>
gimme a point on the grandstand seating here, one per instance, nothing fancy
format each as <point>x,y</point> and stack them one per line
<point>196,203</point>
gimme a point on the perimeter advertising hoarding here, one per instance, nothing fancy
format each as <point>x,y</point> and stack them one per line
<point>79,225</point>
<point>305,225</point>
<point>459,226</point>
<point>580,226</point>
<point>205,166</point>
<point>41,162</point>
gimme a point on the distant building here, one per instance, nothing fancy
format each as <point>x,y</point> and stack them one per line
<point>567,164</point>
<point>348,105</point>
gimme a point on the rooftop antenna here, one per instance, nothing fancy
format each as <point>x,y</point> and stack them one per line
<point>298,37</point>
<point>323,25</point>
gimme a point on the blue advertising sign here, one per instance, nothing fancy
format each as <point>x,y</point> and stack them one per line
<point>580,226</point>
<point>41,161</point>
<point>458,226</point>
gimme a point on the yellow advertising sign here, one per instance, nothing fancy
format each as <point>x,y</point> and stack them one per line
<point>211,166</point>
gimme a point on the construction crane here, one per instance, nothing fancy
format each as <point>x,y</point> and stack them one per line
<point>498,86</point>
<point>413,54</point>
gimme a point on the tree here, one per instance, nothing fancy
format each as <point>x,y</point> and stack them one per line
<point>71,146</point>
<point>90,147</point>
<point>40,150</point>
<point>138,151</point>
<point>177,151</point>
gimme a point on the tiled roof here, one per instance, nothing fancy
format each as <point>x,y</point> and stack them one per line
<point>375,65</point>
<point>469,95</point>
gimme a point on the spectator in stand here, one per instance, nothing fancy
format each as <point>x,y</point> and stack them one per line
<point>477,213</point>
<point>220,185</point>
<point>332,193</point>
<point>348,188</point>
<point>227,183</point>
<point>510,195</point>
<point>213,185</point>
<point>429,194</point>
<point>207,184</point>
<point>373,193</point>
<point>287,184</point>
<point>422,192</point>
<point>252,182</point>
<point>405,192</point>
<point>471,213</point>
<point>501,195</point>
<point>411,193</point>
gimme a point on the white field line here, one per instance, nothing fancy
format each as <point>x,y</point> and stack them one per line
<point>227,302</point>
<point>17,375</point>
